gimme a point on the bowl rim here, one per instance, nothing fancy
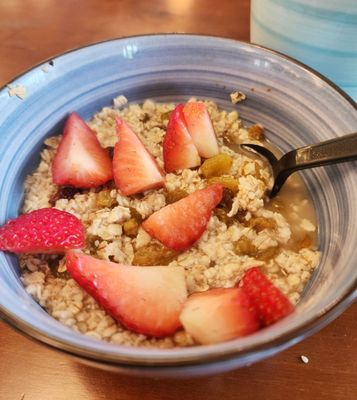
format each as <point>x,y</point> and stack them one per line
<point>280,342</point>
<point>197,35</point>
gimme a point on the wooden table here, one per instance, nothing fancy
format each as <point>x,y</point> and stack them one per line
<point>31,30</point>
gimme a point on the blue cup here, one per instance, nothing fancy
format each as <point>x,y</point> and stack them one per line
<point>320,33</point>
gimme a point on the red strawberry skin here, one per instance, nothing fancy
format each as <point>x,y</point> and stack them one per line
<point>46,230</point>
<point>179,225</point>
<point>179,150</point>
<point>147,300</point>
<point>201,129</point>
<point>270,302</point>
<point>217,315</point>
<point>135,169</point>
<point>80,160</point>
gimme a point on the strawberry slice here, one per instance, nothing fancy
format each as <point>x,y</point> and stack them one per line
<point>270,302</point>
<point>201,129</point>
<point>147,300</point>
<point>135,169</point>
<point>179,149</point>
<point>179,225</point>
<point>218,315</point>
<point>46,230</point>
<point>80,161</point>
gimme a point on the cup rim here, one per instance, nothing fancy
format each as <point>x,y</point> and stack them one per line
<point>289,337</point>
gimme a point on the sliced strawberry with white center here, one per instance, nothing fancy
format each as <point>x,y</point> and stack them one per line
<point>200,127</point>
<point>147,300</point>
<point>218,315</point>
<point>135,169</point>
<point>179,149</point>
<point>179,225</point>
<point>80,160</point>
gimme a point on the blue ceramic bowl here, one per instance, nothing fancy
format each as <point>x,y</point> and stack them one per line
<point>296,105</point>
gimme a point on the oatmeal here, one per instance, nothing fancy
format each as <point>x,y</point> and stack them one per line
<point>243,231</point>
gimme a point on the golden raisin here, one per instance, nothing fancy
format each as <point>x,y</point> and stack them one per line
<point>104,199</point>
<point>305,242</point>
<point>258,172</point>
<point>165,116</point>
<point>131,227</point>
<point>256,132</point>
<point>226,181</point>
<point>175,195</point>
<point>216,165</point>
<point>154,254</point>
<point>244,247</point>
<point>268,254</point>
<point>261,223</point>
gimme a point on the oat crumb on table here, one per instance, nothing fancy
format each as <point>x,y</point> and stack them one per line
<point>304,359</point>
<point>214,261</point>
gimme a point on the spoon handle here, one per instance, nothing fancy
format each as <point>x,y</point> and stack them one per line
<point>329,152</point>
<point>332,151</point>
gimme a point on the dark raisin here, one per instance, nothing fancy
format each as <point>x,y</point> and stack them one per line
<point>110,151</point>
<point>64,192</point>
<point>68,192</point>
<point>223,217</point>
<point>240,216</point>
<point>90,241</point>
<point>54,198</point>
<point>212,264</point>
<point>53,264</point>
<point>135,215</point>
<point>146,117</point>
<point>227,199</point>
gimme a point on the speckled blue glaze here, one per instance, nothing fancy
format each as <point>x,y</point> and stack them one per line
<point>299,108</point>
<point>320,33</point>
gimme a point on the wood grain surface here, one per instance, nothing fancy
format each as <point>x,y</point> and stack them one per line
<point>32,30</point>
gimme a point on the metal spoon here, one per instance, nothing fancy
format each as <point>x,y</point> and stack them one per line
<point>332,151</point>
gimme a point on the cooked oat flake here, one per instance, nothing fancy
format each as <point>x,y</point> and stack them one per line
<point>18,90</point>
